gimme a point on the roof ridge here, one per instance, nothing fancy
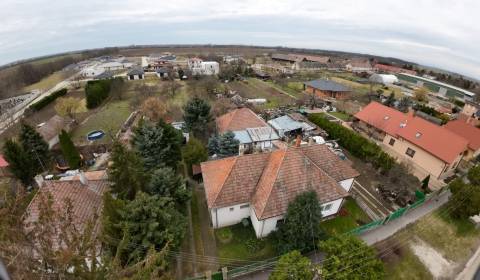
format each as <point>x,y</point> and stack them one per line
<point>274,181</point>
<point>226,177</point>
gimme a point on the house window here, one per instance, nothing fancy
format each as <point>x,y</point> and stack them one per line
<point>392,142</point>
<point>244,206</point>
<point>410,152</point>
<point>326,207</point>
<point>231,209</point>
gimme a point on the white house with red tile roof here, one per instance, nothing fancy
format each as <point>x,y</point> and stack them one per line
<point>260,186</point>
<point>428,148</point>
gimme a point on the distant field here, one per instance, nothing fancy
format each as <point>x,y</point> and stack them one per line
<point>48,82</point>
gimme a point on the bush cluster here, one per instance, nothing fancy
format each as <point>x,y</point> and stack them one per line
<point>96,92</point>
<point>356,144</point>
<point>47,100</point>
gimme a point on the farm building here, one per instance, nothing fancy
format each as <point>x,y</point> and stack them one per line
<point>359,65</point>
<point>392,69</point>
<point>327,89</point>
<point>260,186</point>
<point>440,88</point>
<point>384,79</point>
<point>136,74</point>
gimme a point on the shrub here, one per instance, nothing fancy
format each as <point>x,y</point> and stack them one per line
<point>69,151</point>
<point>97,91</point>
<point>254,245</point>
<point>224,235</point>
<point>47,100</point>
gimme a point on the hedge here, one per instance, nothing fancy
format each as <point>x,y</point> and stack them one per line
<point>96,92</point>
<point>356,144</point>
<point>48,99</point>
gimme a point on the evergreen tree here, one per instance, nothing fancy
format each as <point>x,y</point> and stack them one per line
<point>196,114</point>
<point>69,151</point>
<point>474,175</point>
<point>213,145</point>
<point>152,221</point>
<point>159,145</point>
<point>365,264</point>
<point>194,153</point>
<point>165,183</point>
<point>126,173</point>
<point>112,231</point>
<point>227,145</point>
<point>20,163</point>
<point>465,199</point>
<point>292,266</point>
<point>301,230</point>
<point>36,147</point>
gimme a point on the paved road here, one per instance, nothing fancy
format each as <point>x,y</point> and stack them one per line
<point>471,269</point>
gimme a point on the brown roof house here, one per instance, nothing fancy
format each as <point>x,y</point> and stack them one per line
<point>250,130</point>
<point>52,128</point>
<point>84,191</point>
<point>260,186</point>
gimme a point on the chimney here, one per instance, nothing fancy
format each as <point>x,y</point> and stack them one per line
<point>39,180</point>
<point>83,178</point>
<point>310,141</point>
<point>298,141</point>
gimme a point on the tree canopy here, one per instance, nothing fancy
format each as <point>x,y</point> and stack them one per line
<point>301,230</point>
<point>196,114</point>
<point>293,266</point>
<point>20,162</point>
<point>224,145</point>
<point>194,153</point>
<point>340,265</point>
<point>465,199</point>
<point>165,183</point>
<point>36,147</point>
<point>159,145</point>
<point>69,151</point>
<point>126,173</point>
<point>474,175</point>
<point>152,221</point>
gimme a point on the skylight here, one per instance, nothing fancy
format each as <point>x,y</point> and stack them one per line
<point>418,135</point>
<point>386,117</point>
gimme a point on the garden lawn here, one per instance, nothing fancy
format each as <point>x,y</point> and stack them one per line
<point>407,266</point>
<point>47,82</point>
<point>350,216</point>
<point>243,245</point>
<point>108,118</point>
<point>455,239</point>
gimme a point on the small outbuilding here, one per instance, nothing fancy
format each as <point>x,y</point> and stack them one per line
<point>162,72</point>
<point>327,89</point>
<point>136,74</point>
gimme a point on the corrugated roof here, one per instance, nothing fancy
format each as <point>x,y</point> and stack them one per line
<point>258,134</point>
<point>285,123</point>
<point>242,136</point>
<point>327,85</point>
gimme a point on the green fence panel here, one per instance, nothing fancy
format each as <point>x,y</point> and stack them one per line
<point>217,276</point>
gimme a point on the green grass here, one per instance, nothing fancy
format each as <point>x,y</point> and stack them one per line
<point>408,267</point>
<point>196,224</point>
<point>350,217</point>
<point>238,247</point>
<point>109,118</point>
<point>340,115</point>
<point>456,239</point>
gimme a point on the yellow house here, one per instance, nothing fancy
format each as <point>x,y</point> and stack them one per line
<point>427,148</point>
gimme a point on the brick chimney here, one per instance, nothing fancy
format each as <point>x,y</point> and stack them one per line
<point>298,141</point>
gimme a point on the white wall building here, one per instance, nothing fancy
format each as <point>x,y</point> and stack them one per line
<point>200,67</point>
<point>260,186</point>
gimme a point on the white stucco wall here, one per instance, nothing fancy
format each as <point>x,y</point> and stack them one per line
<point>263,227</point>
<point>347,184</point>
<point>222,217</point>
<point>335,206</point>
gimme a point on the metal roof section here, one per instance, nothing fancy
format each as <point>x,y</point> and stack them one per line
<point>242,136</point>
<point>259,134</point>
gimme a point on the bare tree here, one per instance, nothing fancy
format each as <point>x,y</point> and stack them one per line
<point>154,108</point>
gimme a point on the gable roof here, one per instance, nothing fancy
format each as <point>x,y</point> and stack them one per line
<point>53,127</point>
<point>269,181</point>
<point>434,139</point>
<point>87,200</point>
<point>327,85</point>
<point>239,119</point>
<point>136,71</point>
<point>467,131</point>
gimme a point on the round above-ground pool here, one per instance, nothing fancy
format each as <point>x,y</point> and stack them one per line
<point>95,135</point>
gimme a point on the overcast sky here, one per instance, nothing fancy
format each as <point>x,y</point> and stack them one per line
<point>439,33</point>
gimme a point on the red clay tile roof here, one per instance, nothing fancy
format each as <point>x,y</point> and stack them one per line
<point>269,181</point>
<point>239,119</point>
<point>467,131</point>
<point>436,140</point>
<point>86,200</point>
<point>3,162</point>
<point>393,69</point>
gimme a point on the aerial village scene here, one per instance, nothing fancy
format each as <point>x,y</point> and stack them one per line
<point>231,161</point>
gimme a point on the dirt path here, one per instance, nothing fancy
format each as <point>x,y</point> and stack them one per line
<point>438,266</point>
